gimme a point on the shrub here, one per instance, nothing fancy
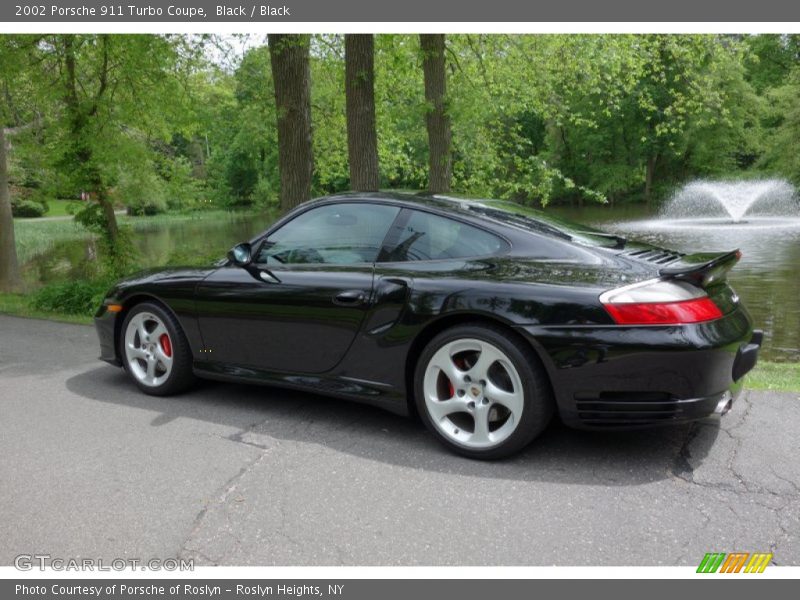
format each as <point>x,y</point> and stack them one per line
<point>142,193</point>
<point>71,297</point>
<point>28,209</point>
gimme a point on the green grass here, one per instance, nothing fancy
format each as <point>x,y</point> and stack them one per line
<point>59,208</point>
<point>177,217</point>
<point>779,377</point>
<point>35,237</point>
<point>19,305</point>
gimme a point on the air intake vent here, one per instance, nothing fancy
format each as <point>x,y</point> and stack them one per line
<point>626,409</point>
<point>657,256</point>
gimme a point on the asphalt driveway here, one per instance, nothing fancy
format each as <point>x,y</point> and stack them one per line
<point>238,475</point>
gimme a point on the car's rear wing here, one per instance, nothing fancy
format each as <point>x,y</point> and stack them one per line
<point>702,269</point>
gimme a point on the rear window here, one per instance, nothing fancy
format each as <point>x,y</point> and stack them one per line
<point>537,221</point>
<point>426,236</point>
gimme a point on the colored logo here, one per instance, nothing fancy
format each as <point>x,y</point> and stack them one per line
<point>736,562</point>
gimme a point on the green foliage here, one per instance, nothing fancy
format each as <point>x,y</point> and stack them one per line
<point>774,376</point>
<point>71,297</point>
<point>780,154</point>
<point>773,58</point>
<point>535,118</point>
<point>39,236</point>
<point>142,193</point>
<point>28,209</point>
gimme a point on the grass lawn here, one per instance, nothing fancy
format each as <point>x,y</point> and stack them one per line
<point>35,236</point>
<point>59,208</point>
<point>780,377</point>
<point>19,306</point>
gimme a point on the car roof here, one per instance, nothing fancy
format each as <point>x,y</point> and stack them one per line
<point>503,213</point>
<point>409,198</point>
<point>468,207</point>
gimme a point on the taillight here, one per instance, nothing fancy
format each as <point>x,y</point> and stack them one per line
<point>659,302</point>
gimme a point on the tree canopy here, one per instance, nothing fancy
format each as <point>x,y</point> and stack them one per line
<point>158,122</point>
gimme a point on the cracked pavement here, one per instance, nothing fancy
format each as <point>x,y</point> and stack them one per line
<point>244,475</point>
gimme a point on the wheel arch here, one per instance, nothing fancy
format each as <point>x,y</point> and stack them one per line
<point>128,304</point>
<point>445,322</point>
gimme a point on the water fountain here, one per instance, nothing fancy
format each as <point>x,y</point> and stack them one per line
<point>733,201</point>
<point>762,219</point>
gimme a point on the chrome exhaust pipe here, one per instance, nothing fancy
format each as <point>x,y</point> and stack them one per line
<point>724,405</point>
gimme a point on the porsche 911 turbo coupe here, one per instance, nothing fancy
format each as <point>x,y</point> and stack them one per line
<point>483,317</point>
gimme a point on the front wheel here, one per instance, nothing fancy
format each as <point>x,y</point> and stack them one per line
<point>154,350</point>
<point>482,393</point>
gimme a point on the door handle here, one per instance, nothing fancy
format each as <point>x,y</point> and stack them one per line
<point>350,298</point>
<point>268,277</point>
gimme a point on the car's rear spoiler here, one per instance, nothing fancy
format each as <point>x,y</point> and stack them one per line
<point>702,269</point>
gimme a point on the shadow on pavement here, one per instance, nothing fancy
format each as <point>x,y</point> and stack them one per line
<point>262,415</point>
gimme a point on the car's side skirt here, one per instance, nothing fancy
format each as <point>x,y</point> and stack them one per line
<point>374,393</point>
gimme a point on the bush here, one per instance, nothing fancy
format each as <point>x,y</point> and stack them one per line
<point>181,190</point>
<point>141,193</point>
<point>28,209</point>
<point>71,297</point>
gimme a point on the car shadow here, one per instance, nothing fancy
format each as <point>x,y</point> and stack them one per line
<point>262,415</point>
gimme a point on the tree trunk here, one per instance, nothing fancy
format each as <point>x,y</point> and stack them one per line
<point>9,266</point>
<point>80,119</point>
<point>291,76</point>
<point>436,117</point>
<point>112,229</point>
<point>648,176</point>
<point>362,136</point>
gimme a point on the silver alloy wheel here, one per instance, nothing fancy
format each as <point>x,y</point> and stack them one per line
<point>473,393</point>
<point>148,348</point>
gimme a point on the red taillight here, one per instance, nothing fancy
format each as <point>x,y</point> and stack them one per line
<point>664,313</point>
<point>659,302</point>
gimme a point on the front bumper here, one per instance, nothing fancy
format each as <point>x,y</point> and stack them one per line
<point>105,324</point>
<point>623,378</point>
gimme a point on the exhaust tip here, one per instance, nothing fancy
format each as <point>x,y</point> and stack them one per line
<point>724,405</point>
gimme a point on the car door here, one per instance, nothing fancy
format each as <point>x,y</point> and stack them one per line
<point>301,302</point>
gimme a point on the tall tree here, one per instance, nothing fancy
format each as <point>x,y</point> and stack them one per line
<point>116,96</point>
<point>436,116</point>
<point>9,115</point>
<point>291,75</point>
<point>9,267</point>
<point>362,136</point>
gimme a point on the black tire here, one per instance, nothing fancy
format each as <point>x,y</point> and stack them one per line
<point>181,376</point>
<point>538,403</point>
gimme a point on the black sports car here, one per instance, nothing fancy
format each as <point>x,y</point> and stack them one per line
<point>483,317</point>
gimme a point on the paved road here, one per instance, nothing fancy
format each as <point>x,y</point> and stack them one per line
<point>241,475</point>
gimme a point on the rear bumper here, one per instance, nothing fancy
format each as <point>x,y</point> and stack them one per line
<point>621,378</point>
<point>632,413</point>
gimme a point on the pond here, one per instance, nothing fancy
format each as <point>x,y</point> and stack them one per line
<point>156,241</point>
<point>767,278</point>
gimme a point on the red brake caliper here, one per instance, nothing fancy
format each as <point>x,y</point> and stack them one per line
<point>166,345</point>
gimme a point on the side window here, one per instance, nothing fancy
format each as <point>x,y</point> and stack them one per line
<point>430,237</point>
<point>331,234</point>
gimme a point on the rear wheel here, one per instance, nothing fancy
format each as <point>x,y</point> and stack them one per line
<point>154,350</point>
<point>482,393</point>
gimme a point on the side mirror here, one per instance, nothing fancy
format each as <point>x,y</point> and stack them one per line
<point>241,254</point>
